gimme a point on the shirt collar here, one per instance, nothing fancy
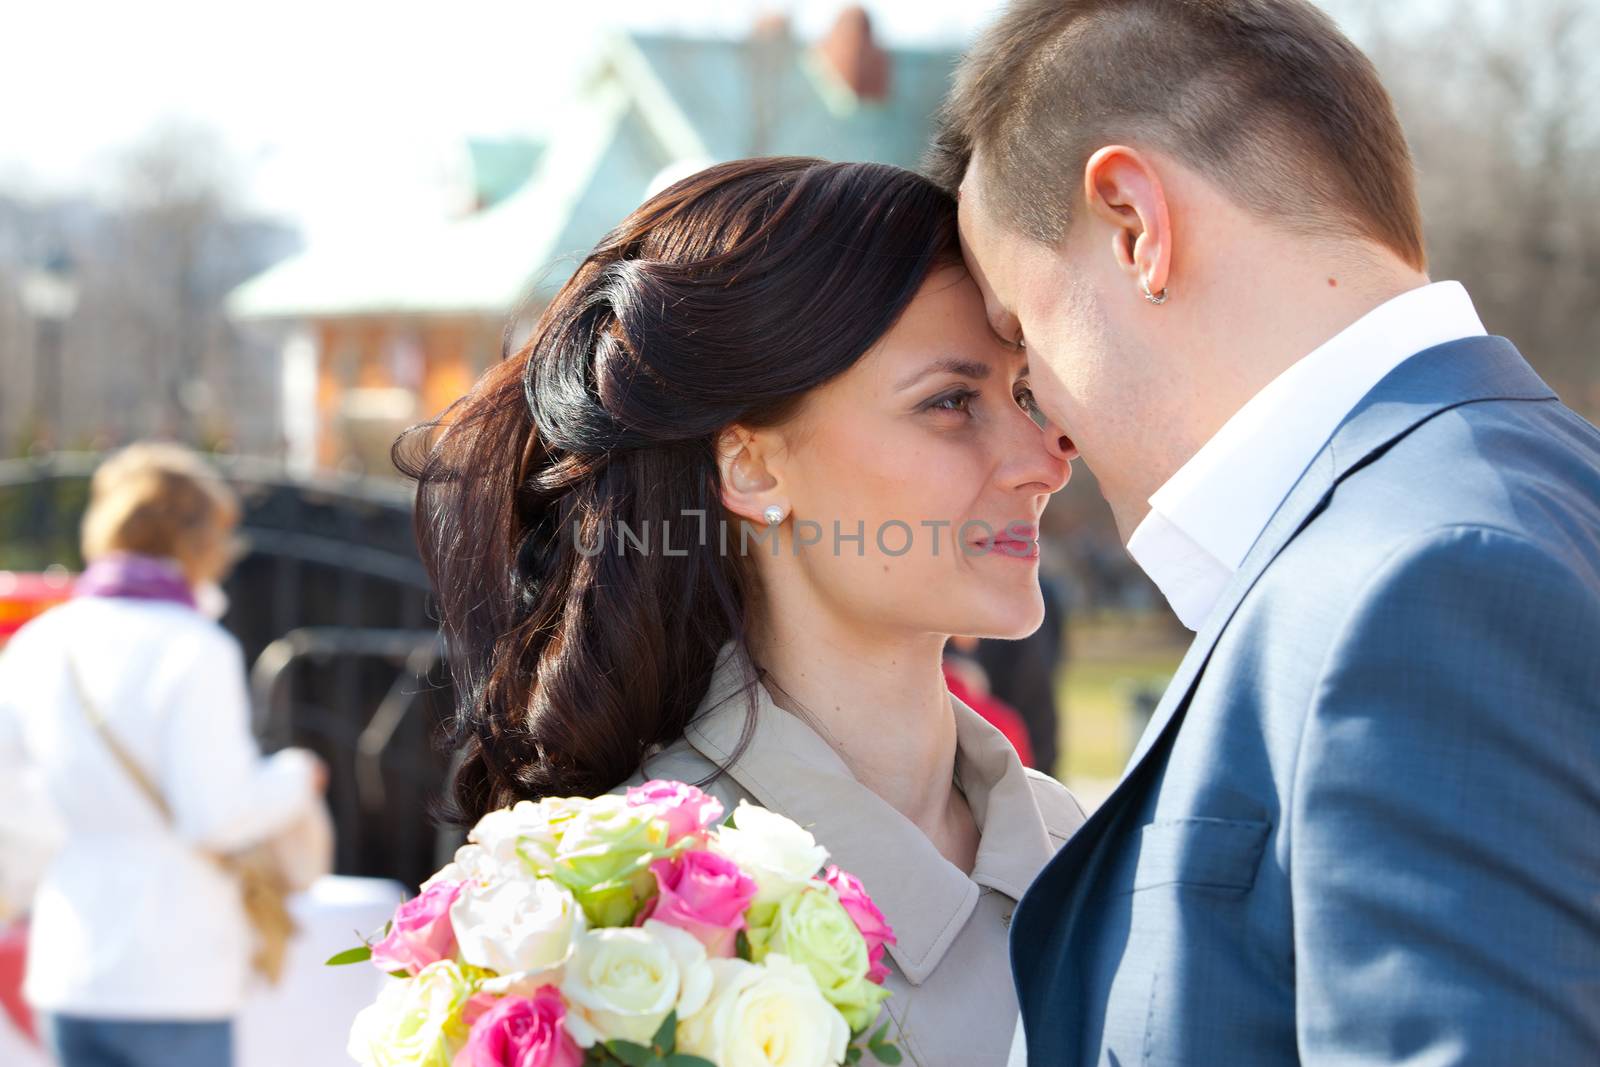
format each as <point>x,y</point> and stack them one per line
<point>788,767</point>
<point>1204,520</point>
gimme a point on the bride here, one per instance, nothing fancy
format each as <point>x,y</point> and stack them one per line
<point>715,521</point>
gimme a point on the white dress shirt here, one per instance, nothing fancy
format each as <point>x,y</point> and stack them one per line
<point>130,919</point>
<point>1205,519</point>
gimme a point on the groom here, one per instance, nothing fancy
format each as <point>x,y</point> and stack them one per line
<point>1364,824</point>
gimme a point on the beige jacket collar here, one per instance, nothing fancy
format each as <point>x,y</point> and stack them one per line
<point>789,768</point>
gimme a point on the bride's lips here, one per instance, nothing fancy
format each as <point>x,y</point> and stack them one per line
<point>1015,541</point>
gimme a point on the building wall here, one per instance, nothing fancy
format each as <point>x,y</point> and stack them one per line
<point>378,375</point>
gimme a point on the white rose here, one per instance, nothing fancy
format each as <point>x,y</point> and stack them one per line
<point>534,825</point>
<point>623,981</point>
<point>516,927</point>
<point>765,1015</point>
<point>471,864</point>
<point>782,857</point>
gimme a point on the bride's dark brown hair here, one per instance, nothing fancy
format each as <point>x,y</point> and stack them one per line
<point>723,300</point>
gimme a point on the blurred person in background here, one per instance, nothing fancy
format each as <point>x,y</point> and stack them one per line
<point>969,682</point>
<point>1022,675</point>
<point>140,949</point>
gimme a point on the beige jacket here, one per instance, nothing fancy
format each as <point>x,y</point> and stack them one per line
<point>953,1001</point>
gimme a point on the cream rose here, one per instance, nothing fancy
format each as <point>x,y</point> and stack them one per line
<point>813,928</point>
<point>415,1022</point>
<point>604,856</point>
<point>782,857</point>
<point>623,981</point>
<point>520,928</point>
<point>771,1015</point>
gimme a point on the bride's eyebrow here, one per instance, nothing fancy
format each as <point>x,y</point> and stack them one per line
<point>966,368</point>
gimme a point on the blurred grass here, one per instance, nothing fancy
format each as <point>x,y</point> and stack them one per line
<point>1109,660</point>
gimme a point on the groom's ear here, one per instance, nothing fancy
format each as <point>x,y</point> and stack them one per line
<point>1123,189</point>
<point>749,486</point>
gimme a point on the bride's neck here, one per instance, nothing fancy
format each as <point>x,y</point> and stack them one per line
<point>880,703</point>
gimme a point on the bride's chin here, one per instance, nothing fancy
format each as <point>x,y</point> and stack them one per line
<point>1011,621</point>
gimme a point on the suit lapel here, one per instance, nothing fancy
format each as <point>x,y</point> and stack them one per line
<point>1303,503</point>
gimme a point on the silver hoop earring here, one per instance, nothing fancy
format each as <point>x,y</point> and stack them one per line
<point>773,515</point>
<point>1155,298</point>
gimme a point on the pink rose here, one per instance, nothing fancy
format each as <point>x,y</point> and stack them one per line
<point>703,894</point>
<point>868,919</point>
<point>521,1032</point>
<point>421,933</point>
<point>685,809</point>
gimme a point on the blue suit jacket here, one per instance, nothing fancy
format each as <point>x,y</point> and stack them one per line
<point>1364,824</point>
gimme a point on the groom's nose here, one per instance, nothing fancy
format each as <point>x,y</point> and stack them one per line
<point>1059,444</point>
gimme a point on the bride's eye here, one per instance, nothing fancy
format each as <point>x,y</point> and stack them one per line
<point>960,402</point>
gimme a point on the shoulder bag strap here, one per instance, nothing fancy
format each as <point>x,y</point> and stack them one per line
<point>140,777</point>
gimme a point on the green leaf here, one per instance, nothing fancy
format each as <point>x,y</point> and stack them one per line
<point>887,1054</point>
<point>399,974</point>
<point>853,1054</point>
<point>880,1037</point>
<point>741,945</point>
<point>666,1038</point>
<point>683,1059</point>
<point>360,954</point>
<point>631,1054</point>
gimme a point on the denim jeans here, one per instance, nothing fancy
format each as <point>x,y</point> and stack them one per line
<point>87,1042</point>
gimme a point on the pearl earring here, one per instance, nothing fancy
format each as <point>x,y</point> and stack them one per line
<point>773,515</point>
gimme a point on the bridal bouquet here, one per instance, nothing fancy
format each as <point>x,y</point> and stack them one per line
<point>633,930</point>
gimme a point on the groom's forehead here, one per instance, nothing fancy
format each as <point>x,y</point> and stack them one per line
<point>980,260</point>
<point>990,253</point>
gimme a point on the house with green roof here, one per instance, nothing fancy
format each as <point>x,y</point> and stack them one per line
<point>376,337</point>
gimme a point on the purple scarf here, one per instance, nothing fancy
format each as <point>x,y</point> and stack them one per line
<point>139,577</point>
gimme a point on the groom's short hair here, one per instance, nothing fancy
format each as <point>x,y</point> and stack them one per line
<point>1267,98</point>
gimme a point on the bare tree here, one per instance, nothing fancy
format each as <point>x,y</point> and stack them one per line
<point>158,303</point>
<point>1497,99</point>
<point>150,350</point>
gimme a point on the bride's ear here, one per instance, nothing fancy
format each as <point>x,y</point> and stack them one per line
<point>749,487</point>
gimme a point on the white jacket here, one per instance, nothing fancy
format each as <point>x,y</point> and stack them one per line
<point>131,920</point>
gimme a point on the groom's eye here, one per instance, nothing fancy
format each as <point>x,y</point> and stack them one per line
<point>1030,406</point>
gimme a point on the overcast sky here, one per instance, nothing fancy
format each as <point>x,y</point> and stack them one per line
<point>337,111</point>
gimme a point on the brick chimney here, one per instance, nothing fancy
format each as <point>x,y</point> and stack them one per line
<point>850,52</point>
<point>770,25</point>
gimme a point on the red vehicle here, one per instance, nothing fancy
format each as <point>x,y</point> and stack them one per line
<point>24,596</point>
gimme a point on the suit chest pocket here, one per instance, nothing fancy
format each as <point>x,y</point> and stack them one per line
<point>1220,854</point>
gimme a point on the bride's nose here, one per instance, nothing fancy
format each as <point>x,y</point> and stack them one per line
<point>1043,459</point>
